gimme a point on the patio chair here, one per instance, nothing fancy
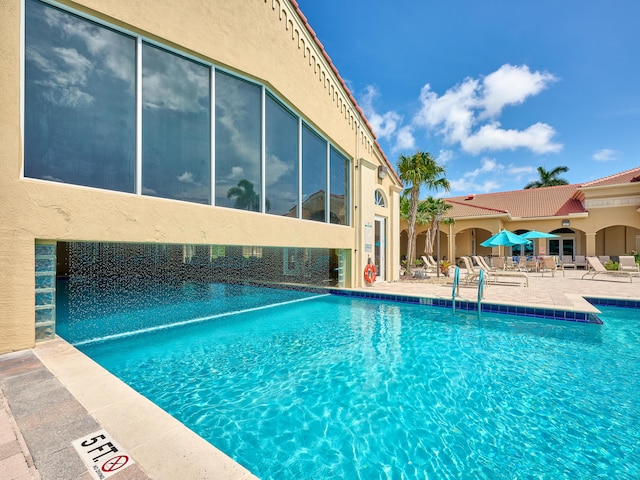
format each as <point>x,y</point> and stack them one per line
<point>627,263</point>
<point>567,261</point>
<point>597,268</point>
<point>581,261</point>
<point>549,265</point>
<point>472,273</point>
<point>427,266</point>
<point>604,259</point>
<point>532,264</point>
<point>495,274</point>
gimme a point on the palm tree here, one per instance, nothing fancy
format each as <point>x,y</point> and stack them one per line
<point>415,172</point>
<point>433,206</point>
<point>246,197</point>
<point>549,178</point>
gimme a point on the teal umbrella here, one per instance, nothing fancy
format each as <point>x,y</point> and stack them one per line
<point>536,234</point>
<point>504,238</point>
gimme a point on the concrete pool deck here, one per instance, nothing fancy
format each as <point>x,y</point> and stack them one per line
<point>52,395</point>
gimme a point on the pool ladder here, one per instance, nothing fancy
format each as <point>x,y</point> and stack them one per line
<point>455,291</point>
<point>481,281</point>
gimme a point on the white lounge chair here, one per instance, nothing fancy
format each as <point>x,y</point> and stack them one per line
<point>472,273</point>
<point>627,263</point>
<point>597,268</point>
<point>495,274</point>
<point>581,261</point>
<point>567,261</point>
<point>549,265</point>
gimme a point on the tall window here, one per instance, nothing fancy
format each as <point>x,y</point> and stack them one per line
<point>339,200</point>
<point>314,175</point>
<point>176,132</point>
<point>81,125</point>
<point>282,159</point>
<point>80,109</point>
<point>238,140</point>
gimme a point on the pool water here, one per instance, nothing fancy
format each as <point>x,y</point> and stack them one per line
<point>337,387</point>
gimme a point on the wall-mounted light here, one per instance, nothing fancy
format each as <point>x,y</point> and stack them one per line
<point>382,171</point>
<point>565,223</point>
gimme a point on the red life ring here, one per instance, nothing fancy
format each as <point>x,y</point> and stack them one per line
<point>370,273</point>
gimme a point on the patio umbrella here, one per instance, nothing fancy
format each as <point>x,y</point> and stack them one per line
<point>504,238</point>
<point>536,234</point>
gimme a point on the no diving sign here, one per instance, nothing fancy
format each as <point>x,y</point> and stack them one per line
<point>102,454</point>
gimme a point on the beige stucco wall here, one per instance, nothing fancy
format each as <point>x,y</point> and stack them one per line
<point>257,38</point>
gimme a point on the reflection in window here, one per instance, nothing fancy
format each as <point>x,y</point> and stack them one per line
<point>314,175</point>
<point>176,132</point>
<point>238,138</point>
<point>281,169</point>
<point>80,109</point>
<point>339,199</point>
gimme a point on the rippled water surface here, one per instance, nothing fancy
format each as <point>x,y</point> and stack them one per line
<point>337,387</point>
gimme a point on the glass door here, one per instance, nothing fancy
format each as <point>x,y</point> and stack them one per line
<point>380,246</point>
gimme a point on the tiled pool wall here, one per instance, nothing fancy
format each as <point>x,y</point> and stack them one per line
<point>613,302</point>
<point>550,313</point>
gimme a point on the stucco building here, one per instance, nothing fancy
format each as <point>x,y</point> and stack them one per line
<point>600,217</point>
<point>197,138</point>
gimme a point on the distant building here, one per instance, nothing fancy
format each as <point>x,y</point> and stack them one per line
<point>601,217</point>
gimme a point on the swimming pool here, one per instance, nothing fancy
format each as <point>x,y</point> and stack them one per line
<point>337,387</point>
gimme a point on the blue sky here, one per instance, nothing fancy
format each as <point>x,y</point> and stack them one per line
<point>493,89</point>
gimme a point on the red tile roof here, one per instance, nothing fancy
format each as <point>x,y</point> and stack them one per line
<point>530,203</point>
<point>629,176</point>
<point>534,202</point>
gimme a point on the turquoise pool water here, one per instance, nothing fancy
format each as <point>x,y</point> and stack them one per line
<point>336,387</point>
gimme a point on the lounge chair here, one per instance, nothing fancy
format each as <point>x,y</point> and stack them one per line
<point>427,265</point>
<point>604,259</point>
<point>627,263</point>
<point>494,274</point>
<point>549,265</point>
<point>581,261</point>
<point>597,268</point>
<point>472,273</point>
<point>567,261</point>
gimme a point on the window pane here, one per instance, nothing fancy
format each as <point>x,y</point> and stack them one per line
<point>314,175</point>
<point>282,160</point>
<point>176,132</point>
<point>339,200</point>
<point>238,142</point>
<point>80,109</point>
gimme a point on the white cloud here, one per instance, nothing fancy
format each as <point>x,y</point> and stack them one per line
<point>405,139</point>
<point>383,125</point>
<point>511,85</point>
<point>237,172</point>
<point>445,156</point>
<point>491,176</point>
<point>490,137</point>
<point>186,177</point>
<point>465,114</point>
<point>606,155</point>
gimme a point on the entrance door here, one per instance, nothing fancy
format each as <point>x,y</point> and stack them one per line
<point>380,247</point>
<point>562,246</point>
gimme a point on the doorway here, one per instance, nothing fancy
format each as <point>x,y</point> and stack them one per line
<point>562,246</point>
<point>380,247</point>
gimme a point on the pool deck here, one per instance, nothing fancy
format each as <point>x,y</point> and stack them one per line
<point>52,395</point>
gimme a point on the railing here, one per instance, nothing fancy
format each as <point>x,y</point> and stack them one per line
<point>455,291</point>
<point>480,290</point>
